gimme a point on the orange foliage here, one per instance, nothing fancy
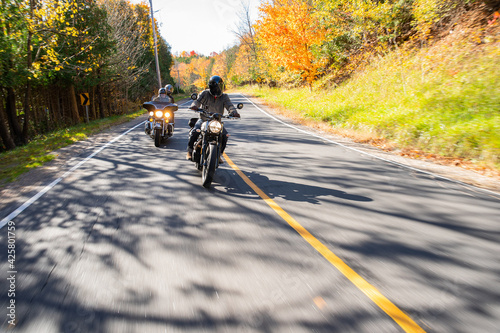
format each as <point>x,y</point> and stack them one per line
<point>289,35</point>
<point>220,65</point>
<point>193,74</point>
<point>240,71</point>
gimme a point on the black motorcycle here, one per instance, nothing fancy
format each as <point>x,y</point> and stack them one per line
<point>207,149</point>
<point>160,123</point>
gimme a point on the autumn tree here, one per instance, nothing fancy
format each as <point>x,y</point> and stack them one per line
<point>241,70</point>
<point>201,69</point>
<point>290,37</point>
<point>192,70</point>
<point>150,82</point>
<point>125,66</point>
<point>245,31</point>
<point>53,50</point>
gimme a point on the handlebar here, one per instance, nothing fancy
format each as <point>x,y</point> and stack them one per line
<point>211,114</point>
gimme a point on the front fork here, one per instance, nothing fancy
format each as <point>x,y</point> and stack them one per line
<point>204,150</point>
<point>160,126</point>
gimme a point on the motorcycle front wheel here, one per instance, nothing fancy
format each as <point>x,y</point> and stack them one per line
<point>210,166</point>
<point>157,137</point>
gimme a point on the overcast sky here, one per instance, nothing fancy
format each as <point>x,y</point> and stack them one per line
<point>200,25</point>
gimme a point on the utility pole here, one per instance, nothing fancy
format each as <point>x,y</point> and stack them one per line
<point>156,47</point>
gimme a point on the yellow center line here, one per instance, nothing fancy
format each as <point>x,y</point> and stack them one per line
<point>403,320</point>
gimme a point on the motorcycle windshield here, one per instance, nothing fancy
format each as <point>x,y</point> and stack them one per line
<point>152,106</point>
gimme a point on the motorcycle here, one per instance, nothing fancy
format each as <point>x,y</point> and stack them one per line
<point>160,124</point>
<point>207,149</point>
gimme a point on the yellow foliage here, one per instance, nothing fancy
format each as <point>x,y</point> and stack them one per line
<point>220,65</point>
<point>289,34</point>
<point>240,71</point>
<point>426,13</point>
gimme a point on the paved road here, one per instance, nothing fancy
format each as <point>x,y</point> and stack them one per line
<point>131,242</point>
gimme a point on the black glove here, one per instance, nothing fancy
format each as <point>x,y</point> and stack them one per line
<point>235,114</point>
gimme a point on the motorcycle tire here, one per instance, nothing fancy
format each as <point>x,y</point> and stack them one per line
<point>157,138</point>
<point>209,169</point>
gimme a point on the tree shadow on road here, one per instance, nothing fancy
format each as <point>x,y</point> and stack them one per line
<point>280,189</point>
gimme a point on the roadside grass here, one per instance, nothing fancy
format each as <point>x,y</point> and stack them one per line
<point>39,151</point>
<point>180,97</point>
<point>440,102</point>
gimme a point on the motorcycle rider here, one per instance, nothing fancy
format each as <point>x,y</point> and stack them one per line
<point>162,96</point>
<point>170,90</point>
<point>213,100</point>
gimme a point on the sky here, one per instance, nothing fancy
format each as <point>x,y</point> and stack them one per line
<point>203,26</point>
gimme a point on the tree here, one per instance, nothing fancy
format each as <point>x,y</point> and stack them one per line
<point>53,50</point>
<point>124,66</point>
<point>149,82</point>
<point>245,31</point>
<point>291,37</point>
<point>241,70</point>
<point>13,27</point>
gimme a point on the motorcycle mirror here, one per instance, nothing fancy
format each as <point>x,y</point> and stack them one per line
<point>194,97</point>
<point>239,106</point>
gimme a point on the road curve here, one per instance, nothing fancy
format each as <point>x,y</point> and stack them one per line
<point>125,239</point>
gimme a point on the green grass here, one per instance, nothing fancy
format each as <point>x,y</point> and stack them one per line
<point>445,103</point>
<point>39,151</point>
<point>180,97</point>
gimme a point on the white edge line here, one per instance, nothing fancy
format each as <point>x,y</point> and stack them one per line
<point>368,154</point>
<point>47,188</point>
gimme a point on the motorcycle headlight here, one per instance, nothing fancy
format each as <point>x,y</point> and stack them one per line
<point>151,113</point>
<point>215,127</point>
<point>167,115</point>
<point>159,114</point>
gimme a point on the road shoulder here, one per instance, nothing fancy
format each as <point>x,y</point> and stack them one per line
<point>455,173</point>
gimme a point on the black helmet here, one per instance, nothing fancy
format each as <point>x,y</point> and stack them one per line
<point>216,85</point>
<point>169,88</point>
<point>162,91</point>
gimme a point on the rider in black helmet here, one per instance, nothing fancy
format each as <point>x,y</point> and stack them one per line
<point>213,100</point>
<point>216,86</point>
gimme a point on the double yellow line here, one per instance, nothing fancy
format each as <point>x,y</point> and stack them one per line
<point>401,318</point>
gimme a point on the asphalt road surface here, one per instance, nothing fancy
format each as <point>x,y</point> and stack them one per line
<point>297,234</point>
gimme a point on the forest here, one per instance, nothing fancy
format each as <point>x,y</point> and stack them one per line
<point>51,51</point>
<point>300,42</point>
<point>415,76</point>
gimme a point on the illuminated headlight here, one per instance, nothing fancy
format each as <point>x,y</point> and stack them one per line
<point>159,114</point>
<point>215,127</point>
<point>167,115</point>
<point>151,113</point>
